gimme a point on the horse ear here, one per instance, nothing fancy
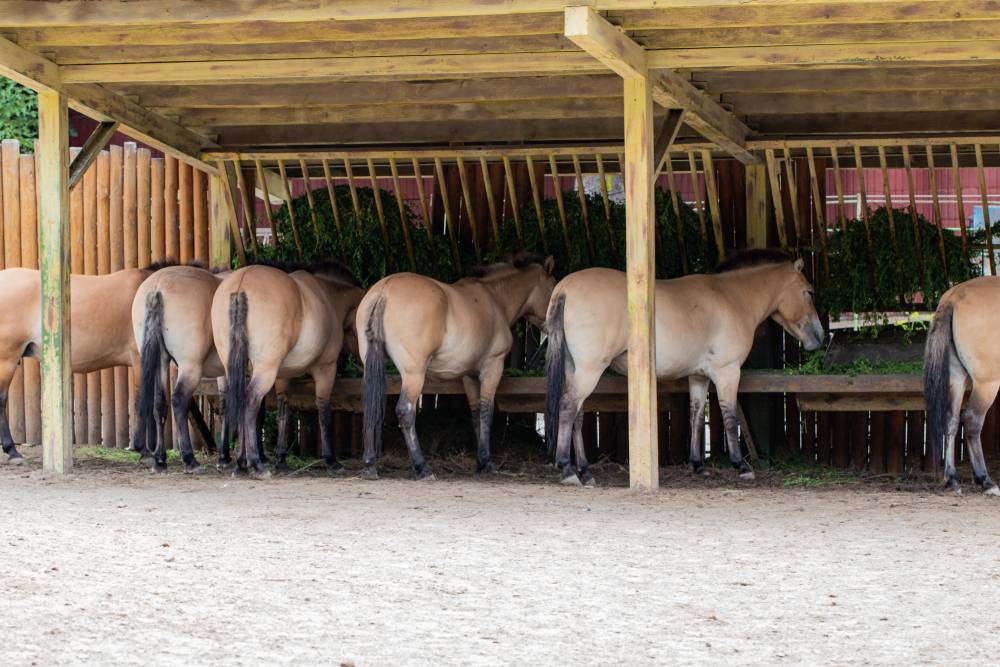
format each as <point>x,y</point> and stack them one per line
<point>549,264</point>
<point>799,264</point>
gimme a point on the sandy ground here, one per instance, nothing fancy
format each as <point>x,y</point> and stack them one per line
<point>115,566</point>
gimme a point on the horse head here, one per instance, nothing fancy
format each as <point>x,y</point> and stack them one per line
<point>796,312</point>
<point>537,304</point>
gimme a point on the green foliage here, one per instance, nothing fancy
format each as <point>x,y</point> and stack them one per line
<point>887,276</point>
<point>18,112</point>
<point>813,365</point>
<point>362,248</point>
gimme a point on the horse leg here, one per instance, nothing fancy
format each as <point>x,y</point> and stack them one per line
<point>489,379</point>
<point>260,383</point>
<point>406,413</point>
<point>324,377</point>
<point>225,458</point>
<point>727,383</point>
<point>585,476</point>
<point>973,416</point>
<point>284,418</point>
<point>957,392</point>
<point>6,439</point>
<point>578,387</point>
<point>261,416</point>
<point>471,386</point>
<point>180,401</point>
<point>698,390</point>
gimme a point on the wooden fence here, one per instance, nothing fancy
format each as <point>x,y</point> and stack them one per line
<point>128,210</point>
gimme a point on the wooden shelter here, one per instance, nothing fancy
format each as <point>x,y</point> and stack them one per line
<point>219,82</point>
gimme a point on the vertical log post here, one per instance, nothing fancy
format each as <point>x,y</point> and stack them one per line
<point>53,210</point>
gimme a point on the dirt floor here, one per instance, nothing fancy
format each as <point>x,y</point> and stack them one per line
<point>115,565</point>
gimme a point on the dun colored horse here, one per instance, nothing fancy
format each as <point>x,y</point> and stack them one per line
<point>172,321</point>
<point>100,327</point>
<point>704,330</point>
<point>283,324</point>
<point>432,329</point>
<point>960,347</point>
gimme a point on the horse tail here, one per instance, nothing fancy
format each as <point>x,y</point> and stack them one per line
<point>373,384</point>
<point>555,369</point>
<point>937,376</point>
<point>238,361</point>
<point>149,368</point>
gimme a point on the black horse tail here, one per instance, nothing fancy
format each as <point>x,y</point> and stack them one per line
<point>937,377</point>
<point>149,366</point>
<point>555,369</point>
<point>238,361</point>
<point>373,385</point>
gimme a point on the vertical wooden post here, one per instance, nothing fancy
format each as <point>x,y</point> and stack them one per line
<point>862,193</point>
<point>170,227</point>
<point>10,249</point>
<point>143,200</point>
<point>404,220</point>
<point>838,185</point>
<point>581,191</point>
<point>936,208</point>
<point>699,205</point>
<point>644,467</point>
<point>756,196</point>
<point>470,213</point>
<point>53,210</point>
<point>29,258</point>
<point>490,201</point>
<point>220,239</point>
<point>956,173</point>
<point>606,202</point>
<point>262,180</point>
<point>985,196</point>
<point>424,207</point>
<point>558,192</point>
<point>199,200</point>
<point>779,209</point>
<point>107,436</point>
<point>913,217</point>
<point>75,267</point>
<point>117,255</point>
<point>536,197</point>
<point>287,196</point>
<point>712,190</point>
<point>819,208</point>
<point>450,221</point>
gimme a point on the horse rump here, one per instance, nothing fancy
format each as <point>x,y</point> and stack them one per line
<point>937,376</point>
<point>150,360</point>
<point>238,360</point>
<point>373,383</point>
<point>555,369</point>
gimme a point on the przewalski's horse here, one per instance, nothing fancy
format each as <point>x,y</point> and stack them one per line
<point>961,346</point>
<point>704,330</point>
<point>172,321</point>
<point>284,322</point>
<point>432,329</point>
<point>100,325</point>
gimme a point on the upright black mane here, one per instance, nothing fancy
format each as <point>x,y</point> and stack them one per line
<point>518,261</point>
<point>753,257</point>
<point>170,261</point>
<point>326,267</point>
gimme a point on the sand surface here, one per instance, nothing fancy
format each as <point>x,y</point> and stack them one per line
<point>114,565</point>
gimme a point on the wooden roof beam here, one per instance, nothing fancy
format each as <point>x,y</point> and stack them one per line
<point>40,74</point>
<point>593,33</point>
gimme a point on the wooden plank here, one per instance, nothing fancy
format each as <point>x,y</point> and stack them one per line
<point>107,393</point>
<point>249,209</point>
<point>793,196</point>
<point>95,143</point>
<point>54,262</point>
<point>331,192</point>
<point>10,154</point>
<point>511,191</point>
<point>286,194</point>
<point>536,197</point>
<point>641,271</point>
<point>584,209</point>
<point>838,185</point>
<point>560,204</point>
<point>712,194</point>
<point>170,226</point>
<point>594,34</point>
<point>699,205</point>
<point>143,200</point>
<point>959,202</point>
<point>157,233</point>
<point>29,258</point>
<point>774,178</point>
<point>310,202</point>
<point>985,200</point>
<point>819,210</point>
<point>887,194</point>
<point>936,207</point>
<point>377,194</point>
<point>117,260</point>
<point>349,172</point>
<point>450,221</point>
<point>490,201</point>
<point>675,207</point>
<point>129,256</point>
<point>185,210</point>
<point>404,222</point>
<point>862,194</point>
<point>756,200</point>
<point>219,214</point>
<point>422,195</point>
<point>262,181</point>
<point>468,208</point>
<point>199,195</point>
<point>228,204</point>
<point>80,425</point>
<point>917,241</point>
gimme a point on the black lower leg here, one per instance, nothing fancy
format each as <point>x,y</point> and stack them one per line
<point>6,439</point>
<point>180,402</point>
<point>198,419</point>
<point>281,446</point>
<point>261,413</point>
<point>406,414</point>
<point>325,412</point>
<point>484,412</point>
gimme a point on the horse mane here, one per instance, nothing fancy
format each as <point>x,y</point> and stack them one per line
<point>327,268</point>
<point>745,259</point>
<point>170,261</point>
<point>518,261</point>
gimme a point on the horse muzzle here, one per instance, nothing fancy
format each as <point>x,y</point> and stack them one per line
<point>812,334</point>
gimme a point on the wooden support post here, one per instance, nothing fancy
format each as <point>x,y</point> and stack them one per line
<point>859,167</point>
<point>793,194</point>
<point>581,191</point>
<point>819,208</point>
<point>512,196</point>
<point>95,143</point>
<point>606,201</point>
<point>558,191</point>
<point>985,198</point>
<point>404,220</point>
<point>448,217</point>
<point>377,194</point>
<point>665,139</point>
<point>29,259</point>
<point>185,212</point>
<point>10,255</point>
<point>644,472</point>
<point>228,203</point>
<point>262,180</point>
<point>917,241</point>
<point>756,198</point>
<point>712,190</point>
<point>699,203</point>
<point>248,210</point>
<point>220,224</point>
<point>331,192</point>
<point>307,184</point>
<point>422,195</point>
<point>838,185</point>
<point>779,209</point>
<point>54,229</point>
<point>143,199</point>
<point>936,208</point>
<point>286,192</point>
<point>349,172</point>
<point>676,208</point>
<point>887,195</point>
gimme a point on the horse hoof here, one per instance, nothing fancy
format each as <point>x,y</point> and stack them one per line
<point>588,480</point>
<point>335,469</point>
<point>570,480</point>
<point>426,476</point>
<point>281,467</point>
<point>487,470</point>
<point>194,469</point>
<point>239,472</point>
<point>158,468</point>
<point>369,473</point>
<point>992,491</point>
<point>747,475</point>
<point>147,460</point>
<point>15,458</point>
<point>263,474</point>
<point>953,486</point>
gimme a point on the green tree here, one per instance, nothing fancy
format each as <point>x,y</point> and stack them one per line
<point>18,112</point>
